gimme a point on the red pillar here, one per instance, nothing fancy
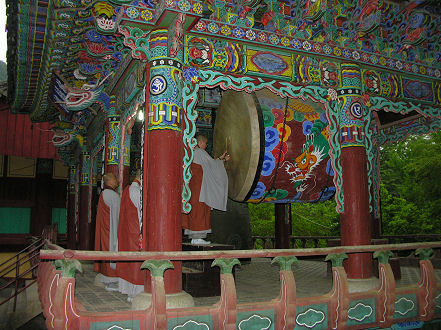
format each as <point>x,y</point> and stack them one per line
<point>163,158</point>
<point>282,225</point>
<point>355,219</point>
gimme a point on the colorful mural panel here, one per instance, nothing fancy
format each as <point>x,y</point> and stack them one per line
<point>265,63</point>
<point>215,54</point>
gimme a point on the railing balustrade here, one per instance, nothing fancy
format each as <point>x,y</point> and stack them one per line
<point>339,309</point>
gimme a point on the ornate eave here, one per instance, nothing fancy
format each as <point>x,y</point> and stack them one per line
<point>85,42</point>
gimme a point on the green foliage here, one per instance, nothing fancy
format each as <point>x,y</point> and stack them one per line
<point>411,185</point>
<point>3,71</point>
<point>317,219</point>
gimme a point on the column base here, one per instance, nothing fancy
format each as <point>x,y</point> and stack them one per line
<point>173,300</point>
<point>362,284</point>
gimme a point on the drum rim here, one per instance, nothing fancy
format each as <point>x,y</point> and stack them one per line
<point>262,147</point>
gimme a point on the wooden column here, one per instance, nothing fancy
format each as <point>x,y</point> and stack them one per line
<point>71,218</point>
<point>113,153</point>
<point>41,212</point>
<point>355,219</point>
<point>85,242</point>
<point>163,159</point>
<point>282,225</point>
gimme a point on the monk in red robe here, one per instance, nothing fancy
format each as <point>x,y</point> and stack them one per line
<point>106,231</point>
<point>131,280</point>
<point>209,189</point>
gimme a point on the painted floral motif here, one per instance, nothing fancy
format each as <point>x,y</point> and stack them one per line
<point>274,39</point>
<point>327,49</point>
<point>225,30</point>
<point>284,41</point>
<point>146,15</point>
<point>306,45</point>
<point>262,36</point>
<point>200,26</point>
<point>296,43</point>
<point>238,32</point>
<point>184,5</point>
<point>213,27</point>
<point>197,8</point>
<point>250,34</point>
<point>132,12</point>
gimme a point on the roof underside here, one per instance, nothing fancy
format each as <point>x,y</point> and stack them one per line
<point>80,39</point>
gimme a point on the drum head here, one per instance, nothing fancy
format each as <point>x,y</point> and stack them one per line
<point>239,129</point>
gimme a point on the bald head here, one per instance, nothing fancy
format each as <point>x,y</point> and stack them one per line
<point>138,175</point>
<point>110,181</point>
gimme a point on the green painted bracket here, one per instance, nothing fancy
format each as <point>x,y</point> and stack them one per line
<point>336,259</point>
<point>424,254</point>
<point>68,267</point>
<point>226,265</point>
<point>383,256</point>
<point>157,267</point>
<point>285,262</point>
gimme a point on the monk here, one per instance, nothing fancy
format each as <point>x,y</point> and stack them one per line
<point>209,189</point>
<point>106,231</point>
<point>131,280</point>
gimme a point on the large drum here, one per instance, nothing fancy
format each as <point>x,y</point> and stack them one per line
<point>263,168</point>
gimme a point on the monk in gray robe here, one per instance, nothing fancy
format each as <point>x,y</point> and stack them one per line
<point>209,189</point>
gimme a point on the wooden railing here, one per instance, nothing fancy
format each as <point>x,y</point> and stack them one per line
<point>268,242</point>
<point>23,265</point>
<point>339,309</point>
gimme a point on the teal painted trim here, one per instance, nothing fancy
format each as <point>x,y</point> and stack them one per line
<point>190,98</point>
<point>379,103</point>
<point>59,216</point>
<point>15,220</point>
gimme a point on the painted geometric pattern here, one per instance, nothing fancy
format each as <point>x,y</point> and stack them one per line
<point>255,320</point>
<point>288,42</point>
<point>235,58</point>
<point>361,311</point>
<point>312,317</point>
<point>116,325</point>
<point>198,322</point>
<point>405,306</point>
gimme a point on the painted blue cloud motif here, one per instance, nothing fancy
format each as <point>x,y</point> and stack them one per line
<point>255,322</point>
<point>329,169</point>
<point>310,318</point>
<point>271,138</point>
<point>307,126</point>
<point>258,191</point>
<point>269,163</point>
